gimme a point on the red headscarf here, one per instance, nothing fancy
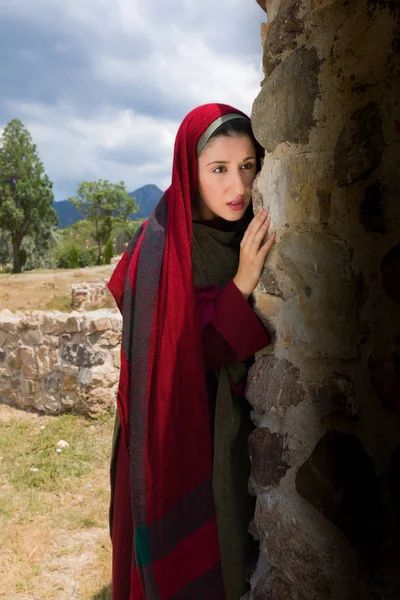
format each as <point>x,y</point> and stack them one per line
<point>162,398</point>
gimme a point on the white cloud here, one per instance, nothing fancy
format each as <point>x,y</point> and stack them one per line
<point>110,79</point>
<point>75,149</point>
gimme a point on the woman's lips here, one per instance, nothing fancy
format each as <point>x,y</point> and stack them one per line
<point>236,205</point>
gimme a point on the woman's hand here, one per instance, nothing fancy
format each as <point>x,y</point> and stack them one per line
<point>253,253</point>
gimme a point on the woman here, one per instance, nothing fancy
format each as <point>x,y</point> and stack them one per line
<point>180,508</point>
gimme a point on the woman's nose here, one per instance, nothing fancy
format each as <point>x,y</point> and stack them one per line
<point>239,183</point>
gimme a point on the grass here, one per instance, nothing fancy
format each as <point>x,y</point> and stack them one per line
<point>61,303</point>
<point>54,541</point>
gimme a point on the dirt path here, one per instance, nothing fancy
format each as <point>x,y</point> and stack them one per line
<point>41,290</point>
<point>54,538</point>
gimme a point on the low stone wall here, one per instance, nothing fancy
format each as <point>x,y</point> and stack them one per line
<point>58,362</point>
<point>89,294</point>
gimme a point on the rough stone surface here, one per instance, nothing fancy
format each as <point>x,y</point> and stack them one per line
<point>272,587</point>
<point>274,384</point>
<point>334,398</point>
<point>283,111</point>
<point>63,363</point>
<point>82,356</point>
<point>372,211</point>
<point>319,267</point>
<point>390,271</point>
<point>384,369</point>
<point>360,145</point>
<point>339,480</point>
<point>268,456</point>
<point>328,117</point>
<point>282,34</point>
<point>87,295</point>
<point>298,553</point>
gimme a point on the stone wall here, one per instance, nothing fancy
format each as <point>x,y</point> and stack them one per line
<point>57,362</point>
<point>89,294</point>
<point>326,395</point>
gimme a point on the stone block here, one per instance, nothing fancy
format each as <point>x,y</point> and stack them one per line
<point>99,324</point>
<point>116,354</point>
<point>3,354</point>
<point>3,337</point>
<point>69,369</point>
<point>271,587</point>
<point>53,341</point>
<point>85,376</point>
<point>274,384</point>
<point>68,400</point>
<point>110,338</point>
<point>29,387</point>
<point>31,337</point>
<point>9,324</point>
<point>44,361</point>
<point>299,547</point>
<point>25,360</point>
<point>334,398</point>
<point>30,321</point>
<point>282,34</point>
<point>116,322</point>
<point>74,324</point>
<point>68,382</point>
<point>288,97</point>
<point>268,456</point>
<point>360,145</point>
<point>51,383</point>
<point>5,381</point>
<point>81,356</point>
<point>48,403</point>
<point>104,376</point>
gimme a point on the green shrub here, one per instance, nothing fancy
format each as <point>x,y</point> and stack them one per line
<point>22,257</point>
<point>73,258</point>
<point>108,252</point>
<point>87,257</point>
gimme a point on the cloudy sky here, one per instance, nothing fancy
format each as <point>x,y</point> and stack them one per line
<point>102,85</point>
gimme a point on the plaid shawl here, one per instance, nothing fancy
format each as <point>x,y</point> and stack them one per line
<point>162,397</point>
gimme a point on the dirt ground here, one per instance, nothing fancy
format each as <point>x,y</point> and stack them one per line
<point>54,539</point>
<point>45,290</point>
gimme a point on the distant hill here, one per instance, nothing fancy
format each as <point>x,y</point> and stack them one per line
<point>146,197</point>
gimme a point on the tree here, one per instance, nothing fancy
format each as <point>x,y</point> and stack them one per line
<point>102,203</point>
<point>26,195</point>
<point>108,252</point>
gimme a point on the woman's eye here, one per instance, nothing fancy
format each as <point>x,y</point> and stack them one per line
<point>248,166</point>
<point>219,169</point>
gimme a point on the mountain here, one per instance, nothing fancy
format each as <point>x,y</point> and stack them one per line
<point>146,197</point>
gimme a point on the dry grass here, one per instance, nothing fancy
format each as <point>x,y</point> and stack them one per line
<point>54,541</point>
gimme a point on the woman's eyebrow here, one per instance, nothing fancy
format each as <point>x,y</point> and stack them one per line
<point>225,162</point>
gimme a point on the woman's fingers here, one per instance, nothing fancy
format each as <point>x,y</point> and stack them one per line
<point>256,224</point>
<point>265,248</point>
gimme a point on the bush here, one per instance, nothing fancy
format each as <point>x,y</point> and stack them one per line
<point>73,258</point>
<point>22,257</point>
<point>87,257</point>
<point>108,252</point>
<point>70,257</point>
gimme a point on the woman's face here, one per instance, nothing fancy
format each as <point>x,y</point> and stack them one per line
<point>227,167</point>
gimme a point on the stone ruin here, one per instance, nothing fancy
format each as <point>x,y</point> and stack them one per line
<point>60,362</point>
<point>87,295</point>
<point>326,395</point>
